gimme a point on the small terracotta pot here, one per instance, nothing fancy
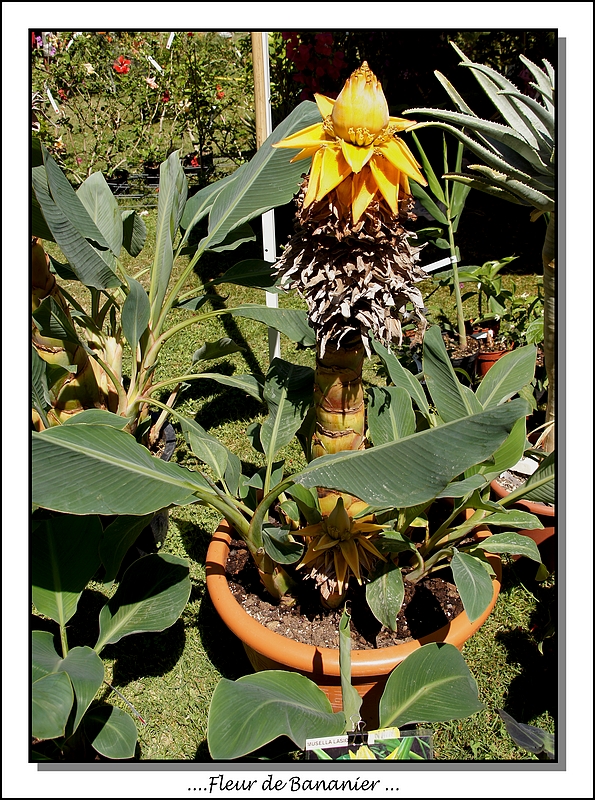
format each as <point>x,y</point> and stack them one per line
<point>486,359</point>
<point>369,668</point>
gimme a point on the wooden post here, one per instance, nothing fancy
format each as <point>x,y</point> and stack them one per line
<point>262,109</point>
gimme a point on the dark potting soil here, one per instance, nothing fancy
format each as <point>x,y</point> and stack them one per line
<point>428,606</point>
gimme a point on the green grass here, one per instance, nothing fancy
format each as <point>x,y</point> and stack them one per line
<point>169,677</point>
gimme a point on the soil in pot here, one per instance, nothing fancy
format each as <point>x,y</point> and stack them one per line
<point>428,606</point>
<point>462,358</point>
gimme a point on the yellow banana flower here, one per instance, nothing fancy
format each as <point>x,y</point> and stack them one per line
<point>355,149</point>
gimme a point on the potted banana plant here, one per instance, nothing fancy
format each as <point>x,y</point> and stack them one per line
<point>362,513</point>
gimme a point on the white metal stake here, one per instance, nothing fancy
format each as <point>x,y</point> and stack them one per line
<point>264,127</point>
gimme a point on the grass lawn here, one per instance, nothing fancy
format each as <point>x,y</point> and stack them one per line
<point>169,677</point>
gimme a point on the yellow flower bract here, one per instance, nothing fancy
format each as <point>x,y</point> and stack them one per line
<point>355,149</point>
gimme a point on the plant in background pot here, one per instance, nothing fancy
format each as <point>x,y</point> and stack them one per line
<point>518,156</point>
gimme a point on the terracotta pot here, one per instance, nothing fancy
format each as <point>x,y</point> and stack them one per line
<point>486,359</point>
<point>544,538</point>
<point>369,668</point>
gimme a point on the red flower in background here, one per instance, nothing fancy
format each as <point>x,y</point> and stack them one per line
<point>166,97</point>
<point>220,93</point>
<point>122,65</point>
<point>318,66</point>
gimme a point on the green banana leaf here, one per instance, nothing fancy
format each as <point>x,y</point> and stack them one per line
<point>102,207</point>
<point>82,665</point>
<point>64,558</point>
<point>254,710</point>
<point>150,597</point>
<point>51,702</point>
<point>111,731</point>
<point>417,468</point>
<point>267,181</point>
<point>97,469</point>
<point>433,684</point>
<point>288,391</point>
<point>390,414</point>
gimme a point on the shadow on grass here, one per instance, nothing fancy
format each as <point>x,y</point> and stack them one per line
<point>146,654</point>
<point>535,690</point>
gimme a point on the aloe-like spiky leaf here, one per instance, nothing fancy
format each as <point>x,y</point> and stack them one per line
<point>483,185</point>
<point>545,83</point>
<point>531,196</point>
<point>546,117</point>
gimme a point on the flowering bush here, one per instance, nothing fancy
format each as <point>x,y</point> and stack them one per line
<point>124,100</point>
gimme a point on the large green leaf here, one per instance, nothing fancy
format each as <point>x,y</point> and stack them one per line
<point>529,737</point>
<point>253,272</point>
<point>150,597</point>
<point>111,731</point>
<point>507,377</point>
<point>64,558</point>
<point>70,203</point>
<point>541,486</point>
<point>173,190</point>
<point>452,399</point>
<point>246,714</point>
<point>84,259</point>
<point>102,207</point>
<point>269,180</point>
<point>134,232</point>
<point>385,592</point>
<point>473,583</point>
<point>512,543</point>
<point>44,659</point>
<point>433,684</point>
<point>417,468</point>
<point>135,313</point>
<point>52,322</point>
<point>508,454</point>
<point>290,321</point>
<point>85,670</point>
<point>199,205</point>
<point>117,539</point>
<point>96,469</point>
<point>51,702</point>
<point>205,447</point>
<point>401,377</point>
<point>245,383</point>
<point>40,398</point>
<point>390,414</point>
<point>288,391</point>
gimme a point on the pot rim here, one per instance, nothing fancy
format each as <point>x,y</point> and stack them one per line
<point>311,659</point>
<point>534,507</point>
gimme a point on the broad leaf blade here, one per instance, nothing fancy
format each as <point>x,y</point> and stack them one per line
<point>51,702</point>
<point>512,543</point>
<point>102,207</point>
<point>173,190</point>
<point>116,475</point>
<point>416,469</point>
<point>150,597</point>
<point>117,539</point>
<point>254,710</point>
<point>452,399</point>
<point>385,593</point>
<point>390,414</point>
<point>64,558</point>
<point>135,313</point>
<point>111,731</point>
<point>269,180</point>
<point>350,696</point>
<point>473,583</point>
<point>85,670</point>
<point>288,391</point>
<point>290,321</point>
<point>205,447</point>
<point>433,684</point>
<point>401,377</point>
<point>84,260</point>
<point>134,232</point>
